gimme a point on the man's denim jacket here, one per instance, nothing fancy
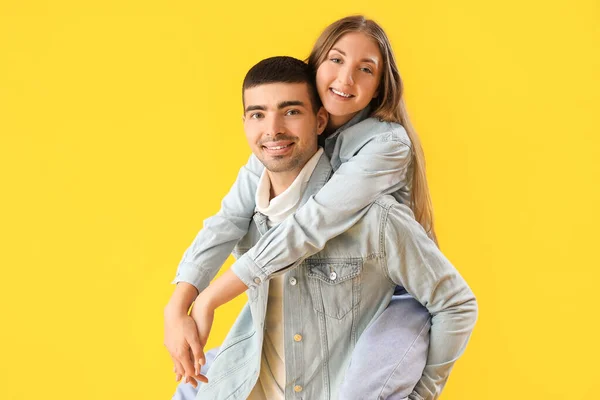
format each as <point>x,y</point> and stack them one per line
<point>332,296</point>
<point>370,158</point>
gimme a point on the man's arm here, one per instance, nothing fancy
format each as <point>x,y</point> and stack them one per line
<point>201,262</point>
<point>414,261</point>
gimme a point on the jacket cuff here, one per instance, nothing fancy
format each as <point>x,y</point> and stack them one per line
<point>248,272</point>
<point>190,273</point>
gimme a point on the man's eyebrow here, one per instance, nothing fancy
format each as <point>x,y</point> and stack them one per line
<point>290,103</point>
<point>254,108</point>
<point>369,60</point>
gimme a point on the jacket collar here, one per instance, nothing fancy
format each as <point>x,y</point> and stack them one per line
<point>362,115</point>
<point>318,179</point>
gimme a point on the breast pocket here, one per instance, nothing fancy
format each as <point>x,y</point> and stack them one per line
<point>334,286</point>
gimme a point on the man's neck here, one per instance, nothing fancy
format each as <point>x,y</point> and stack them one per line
<point>280,181</point>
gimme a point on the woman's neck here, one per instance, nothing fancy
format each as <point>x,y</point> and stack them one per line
<point>336,121</point>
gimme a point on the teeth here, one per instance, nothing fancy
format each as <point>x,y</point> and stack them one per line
<point>277,147</point>
<point>340,93</point>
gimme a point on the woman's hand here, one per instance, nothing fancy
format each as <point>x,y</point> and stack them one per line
<point>184,345</point>
<point>203,314</point>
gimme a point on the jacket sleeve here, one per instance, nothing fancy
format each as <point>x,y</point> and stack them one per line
<point>216,240</point>
<point>376,167</point>
<point>413,261</point>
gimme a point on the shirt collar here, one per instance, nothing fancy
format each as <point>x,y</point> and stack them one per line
<point>286,202</point>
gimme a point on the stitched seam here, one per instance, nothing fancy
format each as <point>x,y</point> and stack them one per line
<point>383,250</point>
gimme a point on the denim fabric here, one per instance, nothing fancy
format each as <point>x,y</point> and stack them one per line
<point>330,298</point>
<point>369,157</point>
<point>185,391</point>
<point>388,359</point>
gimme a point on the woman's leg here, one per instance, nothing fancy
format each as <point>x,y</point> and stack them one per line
<point>390,355</point>
<point>185,391</point>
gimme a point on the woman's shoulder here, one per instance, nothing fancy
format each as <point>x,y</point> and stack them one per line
<point>375,129</point>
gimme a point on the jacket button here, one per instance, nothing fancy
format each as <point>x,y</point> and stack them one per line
<point>332,276</point>
<point>297,337</point>
<point>293,281</point>
<point>257,280</point>
<point>297,388</point>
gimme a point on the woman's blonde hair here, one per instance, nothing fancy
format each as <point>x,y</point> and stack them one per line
<point>387,106</point>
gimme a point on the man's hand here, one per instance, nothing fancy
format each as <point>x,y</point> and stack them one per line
<point>184,346</point>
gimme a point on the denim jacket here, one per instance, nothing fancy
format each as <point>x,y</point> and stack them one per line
<point>332,296</point>
<point>370,158</point>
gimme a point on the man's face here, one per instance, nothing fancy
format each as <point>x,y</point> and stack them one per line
<point>281,126</point>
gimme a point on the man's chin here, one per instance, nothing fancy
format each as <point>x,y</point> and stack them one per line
<point>279,163</point>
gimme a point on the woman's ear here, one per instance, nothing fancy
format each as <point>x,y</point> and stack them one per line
<point>376,91</point>
<point>322,120</point>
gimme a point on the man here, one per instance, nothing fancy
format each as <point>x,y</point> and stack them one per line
<point>295,336</point>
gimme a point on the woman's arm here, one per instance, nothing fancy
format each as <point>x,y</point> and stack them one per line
<point>216,240</point>
<point>374,166</point>
<point>414,261</point>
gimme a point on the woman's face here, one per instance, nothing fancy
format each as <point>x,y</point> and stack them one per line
<point>349,77</point>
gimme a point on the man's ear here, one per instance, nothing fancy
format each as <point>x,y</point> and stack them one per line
<point>322,120</point>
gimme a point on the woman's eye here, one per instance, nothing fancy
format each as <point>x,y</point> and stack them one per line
<point>367,70</point>
<point>335,60</point>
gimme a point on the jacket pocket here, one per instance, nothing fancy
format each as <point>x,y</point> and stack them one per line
<point>334,285</point>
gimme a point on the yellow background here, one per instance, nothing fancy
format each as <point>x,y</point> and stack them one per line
<point>120,132</point>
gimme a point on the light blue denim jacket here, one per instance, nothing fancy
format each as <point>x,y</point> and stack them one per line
<point>332,296</point>
<point>370,158</point>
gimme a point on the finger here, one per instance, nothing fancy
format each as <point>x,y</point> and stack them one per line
<point>193,380</point>
<point>202,378</point>
<point>197,366</point>
<point>177,376</point>
<point>178,369</point>
<point>197,353</point>
<point>184,356</point>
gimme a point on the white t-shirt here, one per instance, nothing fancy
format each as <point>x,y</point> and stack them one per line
<point>271,380</point>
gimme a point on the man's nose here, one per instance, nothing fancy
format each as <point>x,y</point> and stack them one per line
<point>274,125</point>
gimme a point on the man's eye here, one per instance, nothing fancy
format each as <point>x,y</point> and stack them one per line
<point>256,115</point>
<point>292,112</point>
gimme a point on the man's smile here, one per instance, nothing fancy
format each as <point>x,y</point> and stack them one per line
<point>278,148</point>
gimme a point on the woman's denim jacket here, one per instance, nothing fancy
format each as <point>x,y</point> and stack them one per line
<point>370,158</point>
